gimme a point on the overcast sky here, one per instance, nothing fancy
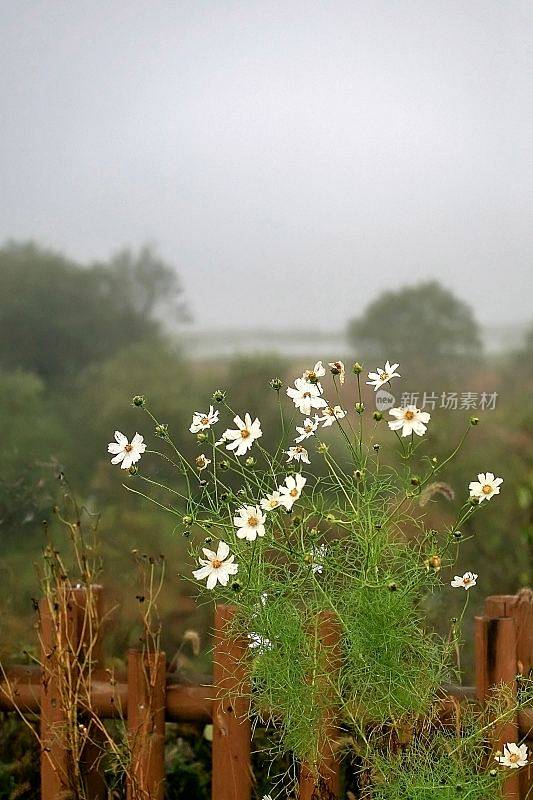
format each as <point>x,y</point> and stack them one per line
<point>292,159</point>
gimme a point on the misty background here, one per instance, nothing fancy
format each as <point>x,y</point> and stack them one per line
<point>291,161</point>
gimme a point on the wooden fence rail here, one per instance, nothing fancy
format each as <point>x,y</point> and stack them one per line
<point>148,697</point>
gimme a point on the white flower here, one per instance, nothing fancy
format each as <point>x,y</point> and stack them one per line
<point>250,523</point>
<point>312,375</point>
<point>331,414</point>
<point>318,555</point>
<point>201,421</point>
<point>465,582</point>
<point>267,797</point>
<point>292,490</point>
<point>126,452</point>
<point>485,487</point>
<point>258,642</point>
<point>271,501</point>
<point>244,436</point>
<point>514,756</point>
<point>308,429</point>
<point>202,462</point>
<point>381,376</point>
<point>410,419</point>
<point>306,396</point>
<point>216,566</point>
<point>338,368</point>
<point>297,453</point>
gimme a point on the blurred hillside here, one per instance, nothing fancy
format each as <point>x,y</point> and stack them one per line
<point>77,342</point>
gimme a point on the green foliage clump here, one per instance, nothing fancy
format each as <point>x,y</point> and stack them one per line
<point>435,768</point>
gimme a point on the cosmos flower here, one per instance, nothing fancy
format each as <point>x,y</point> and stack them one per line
<point>292,490</point>
<point>307,429</point>
<point>243,437</point>
<point>250,523</point>
<point>126,452</point>
<point>312,375</point>
<point>514,756</point>
<point>202,462</point>
<point>410,419</point>
<point>318,555</point>
<point>382,376</point>
<point>216,567</point>
<point>271,501</point>
<point>338,368</point>
<point>258,642</point>
<point>485,487</point>
<point>331,414</point>
<point>465,582</point>
<point>297,453</point>
<point>306,396</point>
<point>201,421</point>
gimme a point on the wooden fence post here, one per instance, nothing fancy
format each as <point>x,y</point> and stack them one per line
<point>324,782</point>
<point>231,769</point>
<point>496,664</point>
<point>89,601</point>
<point>59,637</point>
<point>146,725</point>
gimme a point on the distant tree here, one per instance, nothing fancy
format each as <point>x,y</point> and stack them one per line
<point>425,323</point>
<point>56,316</point>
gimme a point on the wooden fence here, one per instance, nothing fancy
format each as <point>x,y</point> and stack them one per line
<point>147,698</point>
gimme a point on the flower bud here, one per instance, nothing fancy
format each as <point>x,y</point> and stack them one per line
<point>202,436</point>
<point>493,773</point>
<point>376,447</point>
<point>392,587</point>
<point>457,535</point>
<point>187,520</point>
<point>219,396</point>
<point>208,540</point>
<point>250,461</point>
<point>357,368</point>
<point>323,448</point>
<point>236,586</point>
<point>474,501</point>
<point>202,483</point>
<point>296,521</point>
<point>330,518</point>
<point>224,465</point>
<point>378,416</point>
<point>359,407</point>
<point>358,474</point>
<point>276,384</point>
<point>139,400</point>
<point>415,480</point>
<point>133,470</point>
<point>474,420</point>
<point>224,497</point>
<point>161,430</point>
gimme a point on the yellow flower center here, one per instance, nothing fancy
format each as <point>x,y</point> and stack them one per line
<point>128,448</point>
<point>299,449</point>
<point>487,489</point>
<point>409,415</point>
<point>252,521</point>
<point>383,376</point>
<point>245,433</point>
<point>466,581</point>
<point>311,376</point>
<point>273,503</point>
<point>307,394</point>
<point>293,492</point>
<point>204,421</point>
<point>514,757</point>
<point>216,563</point>
<point>308,428</point>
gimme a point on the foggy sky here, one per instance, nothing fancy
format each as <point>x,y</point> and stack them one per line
<point>292,159</point>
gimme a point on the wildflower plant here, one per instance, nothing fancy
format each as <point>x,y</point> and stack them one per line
<point>318,526</point>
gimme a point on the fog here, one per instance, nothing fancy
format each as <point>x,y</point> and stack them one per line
<point>292,160</point>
